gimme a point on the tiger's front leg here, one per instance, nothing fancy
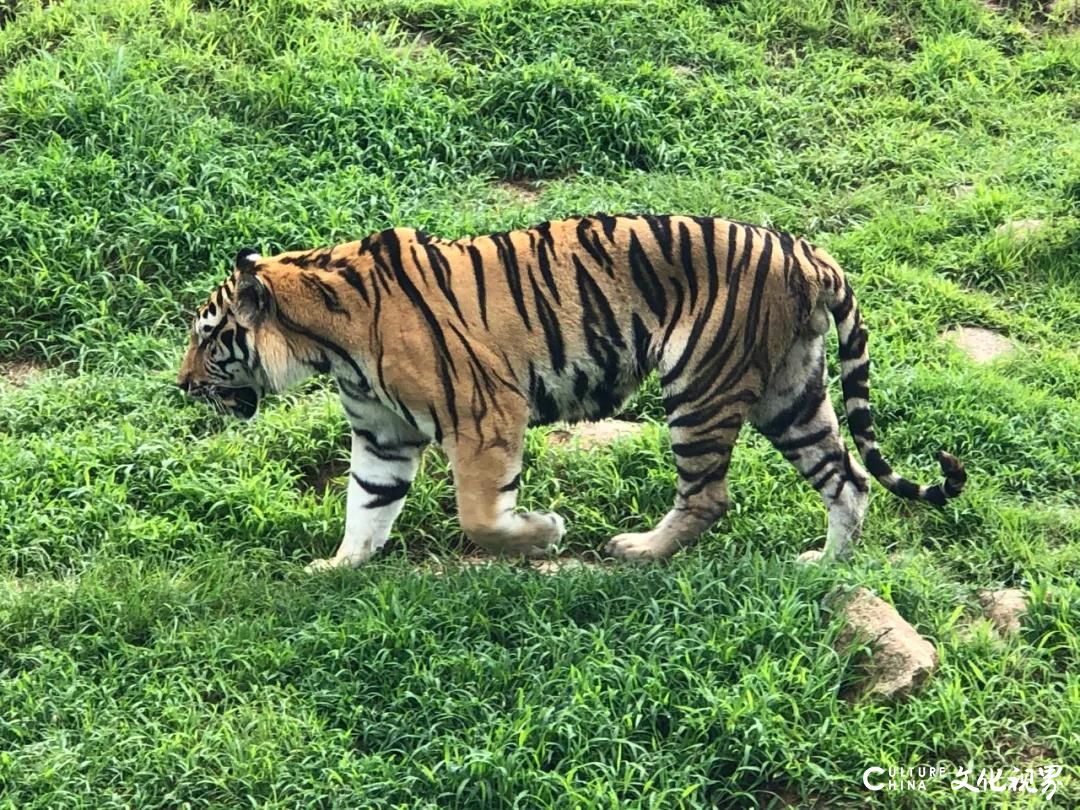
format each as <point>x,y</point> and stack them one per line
<point>385,457</point>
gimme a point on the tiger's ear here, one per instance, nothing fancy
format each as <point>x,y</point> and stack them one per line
<point>245,260</point>
<point>253,299</point>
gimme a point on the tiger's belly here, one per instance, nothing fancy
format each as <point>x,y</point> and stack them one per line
<point>579,392</point>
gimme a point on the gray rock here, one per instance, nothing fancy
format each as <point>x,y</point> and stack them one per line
<point>901,660</point>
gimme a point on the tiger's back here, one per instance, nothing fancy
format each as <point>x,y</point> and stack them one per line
<point>467,341</point>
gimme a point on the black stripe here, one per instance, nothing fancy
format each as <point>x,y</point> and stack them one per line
<point>546,237</point>
<point>701,447</point>
<point>641,339</point>
<point>842,308</point>
<point>856,382</point>
<point>591,242</point>
<point>549,321</point>
<point>328,294</point>
<point>661,231</point>
<point>802,407</point>
<point>514,483</point>
<point>354,280</point>
<point>833,457</point>
<point>799,442</point>
<point>860,423</point>
<point>935,495</point>
<point>544,261</point>
<point>385,494</point>
<point>732,243</point>
<point>320,364</point>
<point>293,326</point>
<point>372,439</point>
<point>440,266</point>
<point>907,489</point>
<point>860,481</point>
<point>700,416</point>
<point>856,343</point>
<point>447,369</point>
<point>641,270</point>
<point>438,425</point>
<point>713,354</point>
<point>750,336</point>
<point>875,463</point>
<point>594,302</point>
<point>508,256</point>
<point>383,455</point>
<point>708,238</point>
<point>608,224</point>
<point>478,275</point>
<point>686,257</point>
<point>820,483</point>
<point>713,474</point>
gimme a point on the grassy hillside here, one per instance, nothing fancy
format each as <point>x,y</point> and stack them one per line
<point>159,643</point>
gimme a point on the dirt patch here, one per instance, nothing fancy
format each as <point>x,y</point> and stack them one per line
<point>1035,752</point>
<point>14,586</point>
<point>1004,608</point>
<point>900,661</point>
<point>525,191</point>
<point>417,44</point>
<point>684,71</point>
<point>546,567</point>
<point>1039,12</point>
<point>586,435</point>
<point>20,373</point>
<point>322,477</point>
<point>981,345</point>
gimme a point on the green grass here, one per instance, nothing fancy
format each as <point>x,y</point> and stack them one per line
<point>158,641</point>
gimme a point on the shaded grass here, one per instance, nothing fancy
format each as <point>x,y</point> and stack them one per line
<point>157,642</point>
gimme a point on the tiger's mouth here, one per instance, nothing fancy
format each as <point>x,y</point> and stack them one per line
<point>242,402</point>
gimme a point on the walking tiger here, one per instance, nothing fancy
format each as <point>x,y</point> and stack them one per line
<point>466,342</point>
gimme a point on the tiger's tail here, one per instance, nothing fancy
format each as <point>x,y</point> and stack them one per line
<point>855,377</point>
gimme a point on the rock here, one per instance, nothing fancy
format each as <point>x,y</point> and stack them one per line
<point>19,373</point>
<point>901,660</point>
<point>1004,608</point>
<point>524,191</point>
<point>591,434</point>
<point>981,345</point>
<point>560,564</point>
<point>1020,228</point>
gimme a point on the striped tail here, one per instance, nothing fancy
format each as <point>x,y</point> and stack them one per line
<point>855,374</point>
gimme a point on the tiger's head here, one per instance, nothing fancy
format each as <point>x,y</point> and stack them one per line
<point>224,366</point>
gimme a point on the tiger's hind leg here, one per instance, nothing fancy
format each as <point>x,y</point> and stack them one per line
<point>487,471</point>
<point>703,431</point>
<point>796,415</point>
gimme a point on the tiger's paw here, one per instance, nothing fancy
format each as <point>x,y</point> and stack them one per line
<point>552,527</point>
<point>530,534</point>
<point>814,556</point>
<point>328,564</point>
<point>640,547</point>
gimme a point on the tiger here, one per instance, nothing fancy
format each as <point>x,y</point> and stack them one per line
<point>467,342</point>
